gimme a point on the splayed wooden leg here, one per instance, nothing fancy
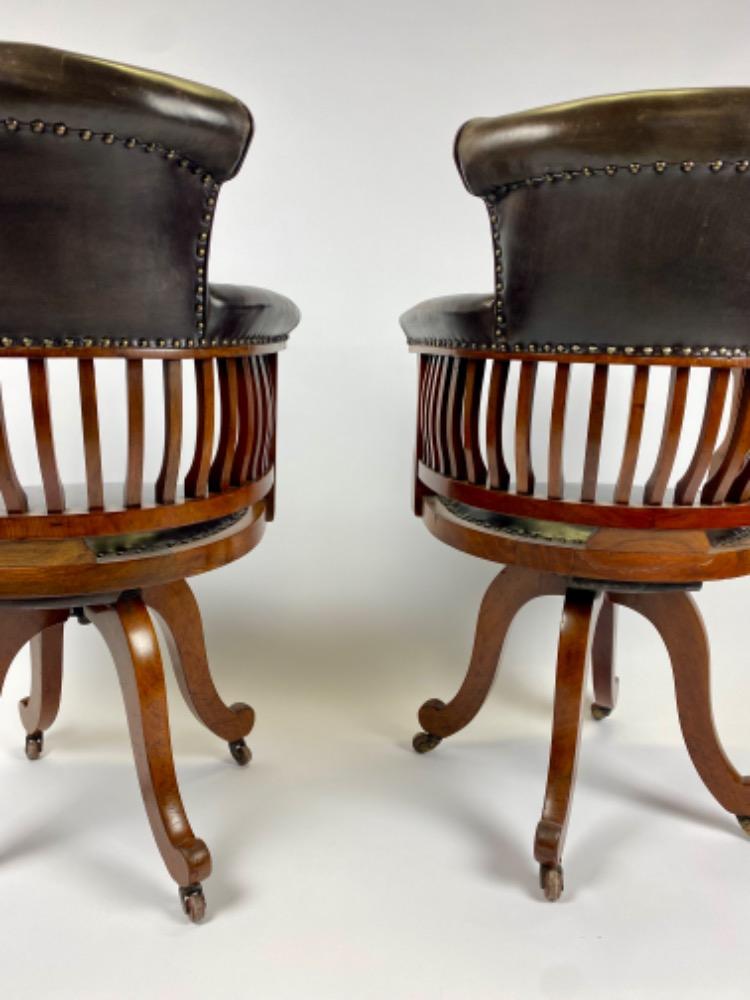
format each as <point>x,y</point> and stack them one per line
<point>39,709</point>
<point>572,657</point>
<point>178,611</point>
<point>676,617</point>
<point>130,635</point>
<point>511,589</point>
<point>606,682</point>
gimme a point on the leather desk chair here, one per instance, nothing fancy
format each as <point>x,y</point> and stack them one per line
<point>110,176</point>
<point>619,228</point>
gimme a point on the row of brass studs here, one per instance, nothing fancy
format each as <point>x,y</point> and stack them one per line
<point>109,138</point>
<point>500,318</point>
<point>612,169</point>
<point>628,351</point>
<point>142,342</point>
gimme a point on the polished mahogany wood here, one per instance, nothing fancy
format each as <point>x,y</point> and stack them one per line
<point>38,385</point>
<point>570,687</point>
<point>633,435</point>
<point>14,495</point>
<point>130,636</point>
<point>555,474</point>
<point>39,709</point>
<point>166,484</point>
<point>136,433</point>
<point>656,485</point>
<point>91,440</point>
<point>511,589</point>
<point>179,614</point>
<point>196,480</point>
<point>525,479</point>
<point>676,617</point>
<point>476,471</point>
<point>497,468</point>
<point>594,433</point>
<point>606,681</point>
<point>687,488</point>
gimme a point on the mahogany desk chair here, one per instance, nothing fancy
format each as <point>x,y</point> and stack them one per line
<point>110,176</point>
<point>620,238</point>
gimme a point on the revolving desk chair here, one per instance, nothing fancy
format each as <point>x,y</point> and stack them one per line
<point>110,176</point>
<point>619,228</point>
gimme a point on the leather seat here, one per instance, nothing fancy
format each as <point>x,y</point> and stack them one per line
<point>238,311</point>
<point>458,320</point>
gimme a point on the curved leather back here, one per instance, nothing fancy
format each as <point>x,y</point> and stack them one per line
<point>620,223</point>
<point>108,182</point>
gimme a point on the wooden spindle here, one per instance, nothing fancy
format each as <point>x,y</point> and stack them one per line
<point>656,485</point>
<point>221,468</point>
<point>497,469</point>
<point>633,434</point>
<point>687,488</point>
<point>720,453</point>
<point>92,452</point>
<point>196,481</point>
<point>166,483</point>
<point>246,431</point>
<point>456,385</point>
<point>267,414</point>
<point>594,433</point>
<point>134,469</point>
<point>256,460</point>
<point>720,482</point>
<point>555,477</point>
<point>14,495</point>
<point>429,427</point>
<point>524,411</point>
<point>476,471</point>
<point>441,416</point>
<point>54,494</point>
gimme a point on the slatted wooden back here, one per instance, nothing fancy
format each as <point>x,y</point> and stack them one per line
<point>231,435</point>
<point>463,451</point>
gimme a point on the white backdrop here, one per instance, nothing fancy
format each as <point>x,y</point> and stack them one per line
<point>349,614</point>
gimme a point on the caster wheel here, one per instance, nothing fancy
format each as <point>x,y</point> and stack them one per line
<point>424,742</point>
<point>599,712</point>
<point>551,881</point>
<point>193,902</point>
<point>241,752</point>
<point>34,745</point>
<point>744,822</point>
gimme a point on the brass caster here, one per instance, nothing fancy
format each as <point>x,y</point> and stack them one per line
<point>193,902</point>
<point>552,882</point>
<point>599,712</point>
<point>424,742</point>
<point>34,745</point>
<point>241,752</point>
<point>744,822</point>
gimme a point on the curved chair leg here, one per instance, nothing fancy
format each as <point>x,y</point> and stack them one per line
<point>178,610</point>
<point>19,626</point>
<point>678,620</point>
<point>130,635</point>
<point>39,710</point>
<point>506,595</point>
<point>606,682</point>
<point>572,657</point>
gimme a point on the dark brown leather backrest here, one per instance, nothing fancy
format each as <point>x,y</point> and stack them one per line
<point>620,223</point>
<point>108,183</point>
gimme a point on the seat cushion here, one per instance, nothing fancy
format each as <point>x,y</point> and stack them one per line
<point>451,321</point>
<point>253,315</point>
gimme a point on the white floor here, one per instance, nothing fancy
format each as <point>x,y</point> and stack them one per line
<point>345,866</point>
